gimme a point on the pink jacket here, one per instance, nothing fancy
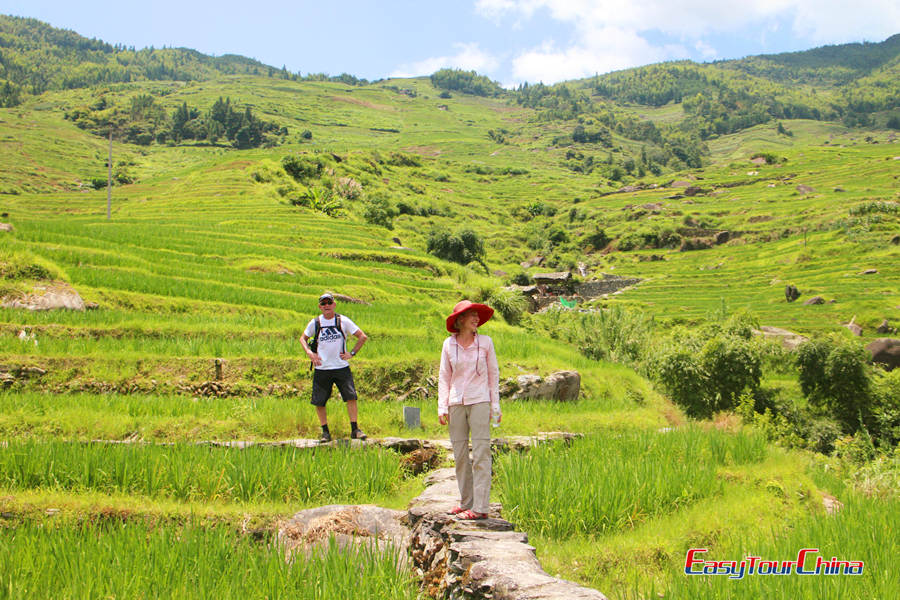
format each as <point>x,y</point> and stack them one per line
<point>469,375</point>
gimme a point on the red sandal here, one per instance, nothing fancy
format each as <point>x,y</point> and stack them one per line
<point>456,511</point>
<point>471,515</point>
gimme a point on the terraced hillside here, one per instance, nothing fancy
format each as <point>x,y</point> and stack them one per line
<point>200,283</point>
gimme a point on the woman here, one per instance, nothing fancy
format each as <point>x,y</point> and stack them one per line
<point>468,397</point>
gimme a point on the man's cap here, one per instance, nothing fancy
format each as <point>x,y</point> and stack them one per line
<point>327,295</point>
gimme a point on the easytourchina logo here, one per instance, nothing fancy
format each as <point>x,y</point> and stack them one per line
<point>806,563</point>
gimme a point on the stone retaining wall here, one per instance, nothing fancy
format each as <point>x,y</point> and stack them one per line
<point>476,560</point>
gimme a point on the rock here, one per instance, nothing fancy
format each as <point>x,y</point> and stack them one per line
<point>869,272</point>
<point>805,189</point>
<point>896,240</point>
<point>839,189</point>
<point>832,505</point>
<point>788,339</point>
<point>680,184</point>
<point>6,227</point>
<point>349,524</point>
<point>885,327</point>
<point>814,300</point>
<point>350,299</point>
<point>885,351</point>
<point>563,386</point>
<point>791,293</point>
<point>854,329</point>
<point>46,296</point>
<point>694,191</point>
<point>532,262</point>
<point>722,237</point>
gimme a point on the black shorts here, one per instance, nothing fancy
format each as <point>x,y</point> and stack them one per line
<point>325,379</point>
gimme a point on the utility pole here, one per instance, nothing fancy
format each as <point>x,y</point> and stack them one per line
<point>109,178</point>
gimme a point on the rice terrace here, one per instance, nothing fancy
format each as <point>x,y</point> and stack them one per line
<point>695,271</point>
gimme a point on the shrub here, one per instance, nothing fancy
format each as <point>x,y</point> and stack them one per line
<point>834,377</point>
<point>731,365</point>
<point>511,305</point>
<point>886,412</point>
<point>462,247</point>
<point>713,379</point>
<point>378,211</point>
<point>402,159</point>
<point>348,188</point>
<point>520,278</point>
<point>302,169</point>
<point>306,135</point>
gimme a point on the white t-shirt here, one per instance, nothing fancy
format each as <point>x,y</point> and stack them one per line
<point>331,342</point>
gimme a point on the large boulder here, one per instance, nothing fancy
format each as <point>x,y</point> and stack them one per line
<point>814,300</point>
<point>791,292</point>
<point>788,339</point>
<point>885,351</point>
<point>366,525</point>
<point>563,386</point>
<point>45,296</point>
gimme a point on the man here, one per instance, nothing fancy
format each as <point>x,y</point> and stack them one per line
<point>330,358</point>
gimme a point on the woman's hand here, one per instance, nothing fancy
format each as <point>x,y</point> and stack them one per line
<point>444,419</point>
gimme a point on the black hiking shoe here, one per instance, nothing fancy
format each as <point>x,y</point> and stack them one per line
<point>357,434</point>
<point>325,437</point>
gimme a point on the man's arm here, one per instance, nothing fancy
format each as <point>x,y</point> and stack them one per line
<point>314,357</point>
<point>360,340</point>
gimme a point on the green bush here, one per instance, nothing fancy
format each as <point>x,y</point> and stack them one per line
<point>301,168</point>
<point>462,247</point>
<point>378,211</point>
<point>886,411</point>
<point>834,377</point>
<point>713,379</point>
<point>520,278</point>
<point>596,240</point>
<point>511,305</point>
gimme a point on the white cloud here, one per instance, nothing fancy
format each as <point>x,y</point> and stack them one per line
<point>705,50</point>
<point>470,57</point>
<point>612,34</point>
<point>607,49</point>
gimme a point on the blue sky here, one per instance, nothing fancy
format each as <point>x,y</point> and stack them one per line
<point>509,40</point>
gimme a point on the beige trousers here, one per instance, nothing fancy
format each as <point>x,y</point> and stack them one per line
<point>473,476</point>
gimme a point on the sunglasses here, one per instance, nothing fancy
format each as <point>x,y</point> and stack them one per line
<point>326,302</point>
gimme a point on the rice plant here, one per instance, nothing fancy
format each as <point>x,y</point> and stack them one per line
<point>860,531</point>
<point>135,560</point>
<point>202,473</point>
<point>611,481</point>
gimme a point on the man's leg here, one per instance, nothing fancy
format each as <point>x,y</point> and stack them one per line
<point>347,387</point>
<point>321,390</point>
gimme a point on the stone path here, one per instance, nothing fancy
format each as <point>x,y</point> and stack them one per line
<point>458,560</point>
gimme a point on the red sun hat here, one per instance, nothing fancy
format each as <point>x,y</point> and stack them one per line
<point>484,311</point>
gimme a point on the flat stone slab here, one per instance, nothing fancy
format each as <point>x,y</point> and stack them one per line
<point>477,559</point>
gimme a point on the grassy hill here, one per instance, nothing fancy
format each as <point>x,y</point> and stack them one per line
<point>215,252</point>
